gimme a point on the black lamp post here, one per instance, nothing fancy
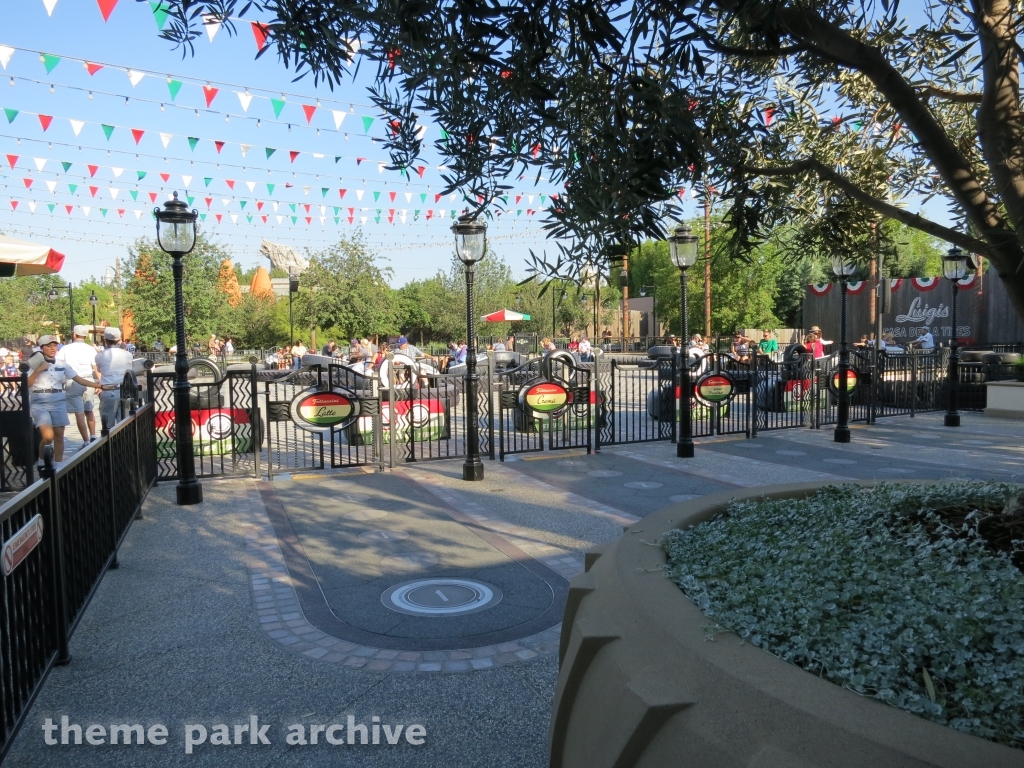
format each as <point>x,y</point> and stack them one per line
<point>93,301</point>
<point>683,248</point>
<point>54,294</point>
<point>176,234</point>
<point>470,247</point>
<point>293,288</point>
<point>954,267</point>
<point>843,268</point>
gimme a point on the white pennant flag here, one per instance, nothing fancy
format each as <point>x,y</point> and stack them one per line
<point>354,45</point>
<point>32,206</point>
<point>52,186</point>
<point>5,55</point>
<point>117,172</point>
<point>138,213</point>
<point>114,192</point>
<point>224,201</point>
<point>212,24</point>
<point>76,126</point>
<point>275,207</point>
<point>323,210</point>
<point>251,185</point>
<point>49,5</point>
<point>245,149</point>
<point>322,220</point>
<point>318,154</point>
<point>40,162</point>
<point>408,197</point>
<point>135,77</point>
<point>245,98</point>
<point>166,138</point>
<point>305,190</point>
<point>278,219</point>
<point>186,180</point>
<point>403,216</point>
<point>359,194</point>
<point>234,218</point>
<point>530,198</point>
<point>421,131</point>
<point>86,209</point>
<point>380,166</point>
<point>339,114</point>
<point>443,212</point>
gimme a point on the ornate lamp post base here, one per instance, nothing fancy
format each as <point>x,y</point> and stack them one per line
<point>472,471</point>
<point>189,493</point>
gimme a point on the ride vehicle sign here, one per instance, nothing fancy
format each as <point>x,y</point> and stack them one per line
<point>715,388</point>
<point>18,547</point>
<point>317,411</point>
<point>547,398</point>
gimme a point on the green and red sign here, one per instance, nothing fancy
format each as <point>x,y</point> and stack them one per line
<point>546,398</point>
<point>715,388</point>
<point>851,381</point>
<point>322,411</point>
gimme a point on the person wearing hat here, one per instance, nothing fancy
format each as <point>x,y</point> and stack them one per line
<point>47,400</point>
<point>112,364</point>
<point>408,349</point>
<point>79,357</point>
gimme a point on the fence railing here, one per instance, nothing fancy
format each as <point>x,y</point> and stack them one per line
<point>59,537</point>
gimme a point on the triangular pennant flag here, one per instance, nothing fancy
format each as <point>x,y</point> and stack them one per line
<point>278,105</point>
<point>309,110</point>
<point>138,213</point>
<point>359,194</point>
<point>28,183</point>
<point>108,130</point>
<point>408,197</point>
<point>218,217</point>
<point>51,206</point>
<point>220,145</point>
<point>190,199</point>
<point>86,209</point>
<point>66,166</point>
<point>380,166</point>
<point>69,209</point>
<point>135,77</point>
<point>120,213</point>
<point>293,154</point>
<point>270,189</point>
<point>341,194</point>
<point>159,13</point>
<point>251,185</point>
<point>152,197</point>
<point>259,206</point>
<point>241,204</point>
<point>104,211</point>
<point>207,180</point>
<point>339,118</point>
<point>91,68</point>
<point>186,180</point>
<point>323,191</point>
<point>244,147</point>
<point>212,24</point>
<point>174,86</point>
<point>165,176</point>
<point>245,98</point>
<point>210,93</point>
<point>137,134</point>
<point>420,169</point>
<point>367,122</point>
<point>248,217</point>
<point>192,141</point>
<point>376,196</point>
<point>165,138</point>
<point>45,120</point>
<point>72,188</point>
<point>392,195</point>
<point>202,216</point>
<point>359,160</point>
<point>13,113</point>
<point>117,172</point>
<point>134,193</point>
<point>141,174</point>
<point>106,7</point>
<point>259,33</point>
<point>208,201</point>
<point>270,151</point>
<point>92,169</point>
<point>49,61</point>
<point>93,191</point>
<point>230,183</point>
<point>114,192</point>
<point>5,54</point>
<point>52,186</point>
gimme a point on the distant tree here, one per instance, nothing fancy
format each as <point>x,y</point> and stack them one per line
<point>26,308</point>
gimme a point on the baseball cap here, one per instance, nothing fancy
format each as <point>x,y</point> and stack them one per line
<point>81,330</point>
<point>47,339</point>
<point>114,334</point>
<point>402,340</point>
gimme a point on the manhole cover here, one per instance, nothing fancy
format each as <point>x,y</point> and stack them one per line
<point>604,473</point>
<point>643,485</point>
<point>409,561</point>
<point>383,535</point>
<point>362,515</point>
<point>441,597</point>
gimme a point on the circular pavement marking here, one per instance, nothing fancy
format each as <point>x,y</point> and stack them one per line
<point>643,485</point>
<point>976,442</point>
<point>441,597</point>
<point>572,463</point>
<point>410,561</point>
<point>383,535</point>
<point>362,515</point>
<point>791,453</point>
<point>838,461</point>
<point>683,497</point>
<point>604,473</point>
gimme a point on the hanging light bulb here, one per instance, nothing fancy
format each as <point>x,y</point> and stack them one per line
<point>346,137</point>
<point>12,82</point>
<point>50,145</point>
<point>161,107</point>
<point>197,113</point>
<point>227,119</point>
<point>317,131</point>
<point>258,123</point>
<point>126,101</point>
<point>90,92</point>
<point>52,88</point>
<point>351,108</point>
<point>289,127</point>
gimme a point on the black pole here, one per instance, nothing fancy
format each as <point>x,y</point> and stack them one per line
<point>684,442</point>
<point>654,311</point>
<point>952,415</point>
<point>291,323</point>
<point>842,431</point>
<point>71,306</point>
<point>93,323</point>
<point>472,469</point>
<point>189,490</point>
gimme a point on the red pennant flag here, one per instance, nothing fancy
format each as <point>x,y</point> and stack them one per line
<point>554,197</point>
<point>69,209</point>
<point>310,110</point>
<point>518,198</point>
<point>210,93</point>
<point>351,211</point>
<point>219,145</point>
<point>259,205</point>
<point>106,7</point>
<point>392,195</point>
<point>230,183</point>
<point>28,183</point>
<point>264,219</point>
<point>293,154</point>
<point>14,204</point>
<point>536,150</point>
<point>45,120</point>
<point>93,68</point>
<point>260,32</point>
<point>165,176</point>
<point>437,197</point>
<point>120,212</point>
<point>420,169</point>
<point>351,219</point>
<point>768,115</point>
<point>341,193</point>
<point>137,134</point>
<point>93,191</point>
<point>12,160</point>
<point>682,192</point>
<point>309,219</point>
<point>430,214</point>
<point>209,201</point>
<point>93,169</point>
<point>218,216</point>
<point>359,160</point>
<point>152,197</point>
<point>479,198</point>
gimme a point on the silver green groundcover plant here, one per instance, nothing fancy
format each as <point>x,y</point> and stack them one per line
<point>873,589</point>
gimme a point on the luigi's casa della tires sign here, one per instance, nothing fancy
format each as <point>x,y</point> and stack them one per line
<point>317,411</point>
<point>547,398</point>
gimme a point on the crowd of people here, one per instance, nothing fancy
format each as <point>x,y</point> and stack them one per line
<point>76,378</point>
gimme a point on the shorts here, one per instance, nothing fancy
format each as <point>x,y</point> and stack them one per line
<point>80,399</point>
<point>50,414</point>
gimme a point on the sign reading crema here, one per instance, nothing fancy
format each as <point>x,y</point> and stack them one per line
<point>714,388</point>
<point>546,398</point>
<point>319,411</point>
<point>851,381</point>
<point>18,547</point>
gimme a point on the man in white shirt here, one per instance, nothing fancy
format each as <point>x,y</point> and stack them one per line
<point>584,350</point>
<point>79,357</point>
<point>112,364</point>
<point>298,352</point>
<point>925,340</point>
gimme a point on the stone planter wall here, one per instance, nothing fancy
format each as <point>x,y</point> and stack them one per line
<point>642,685</point>
<point>1005,399</point>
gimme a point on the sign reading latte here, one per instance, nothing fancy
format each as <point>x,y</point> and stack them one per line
<point>715,388</point>
<point>547,398</point>
<point>851,381</point>
<point>322,411</point>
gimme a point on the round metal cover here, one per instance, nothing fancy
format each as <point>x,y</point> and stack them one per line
<point>441,597</point>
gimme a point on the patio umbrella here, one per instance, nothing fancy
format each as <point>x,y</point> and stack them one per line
<point>20,257</point>
<point>504,316</point>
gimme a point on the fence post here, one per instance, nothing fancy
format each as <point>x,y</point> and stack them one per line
<point>114,565</point>
<point>60,583</point>
<point>752,395</point>
<point>815,394</point>
<point>490,405</point>
<point>913,384</point>
<point>392,421</point>
<point>255,422</point>
<point>29,439</point>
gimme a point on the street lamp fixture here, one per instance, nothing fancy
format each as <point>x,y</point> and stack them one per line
<point>176,235</point>
<point>843,267</point>
<point>470,247</point>
<point>94,301</point>
<point>682,245</point>
<point>955,268</point>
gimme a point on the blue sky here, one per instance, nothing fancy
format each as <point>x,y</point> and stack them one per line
<point>105,171</point>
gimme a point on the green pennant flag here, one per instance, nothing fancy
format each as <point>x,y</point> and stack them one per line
<point>416,215</point>
<point>376,196</point>
<point>248,217</point>
<point>378,213</point>
<point>294,219</point>
<point>367,122</point>
<point>444,134</point>
<point>323,191</point>
<point>107,129</point>
<point>66,165</point>
<point>278,106</point>
<point>207,180</point>
<point>174,86</point>
<point>377,218</point>
<point>202,216</point>
<point>270,189</point>
<point>11,114</point>
<point>519,212</point>
<point>270,151</point>
<point>51,206</point>
<point>453,214</point>
<point>192,141</point>
<point>159,13</point>
<point>50,62</point>
<point>292,206</point>
<point>190,198</point>
<point>141,174</point>
<point>103,211</point>
<point>337,158</point>
<point>72,188</point>
<point>335,219</point>
<point>241,204</point>
<point>504,199</point>
<point>135,194</point>
<point>335,210</point>
<point>423,197</point>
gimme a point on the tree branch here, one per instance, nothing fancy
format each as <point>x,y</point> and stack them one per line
<point>960,97</point>
<point>731,50</point>
<point>912,220</point>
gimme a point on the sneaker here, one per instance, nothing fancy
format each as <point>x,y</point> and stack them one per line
<point>93,439</point>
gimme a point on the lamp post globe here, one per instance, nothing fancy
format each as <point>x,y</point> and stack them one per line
<point>843,268</point>
<point>682,246</point>
<point>954,268</point>
<point>176,235</point>
<point>470,247</point>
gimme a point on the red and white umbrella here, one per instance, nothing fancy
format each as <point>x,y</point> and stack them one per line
<point>504,316</point>
<point>20,257</point>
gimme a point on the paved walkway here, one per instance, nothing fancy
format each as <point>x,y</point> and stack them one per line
<point>409,596</point>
